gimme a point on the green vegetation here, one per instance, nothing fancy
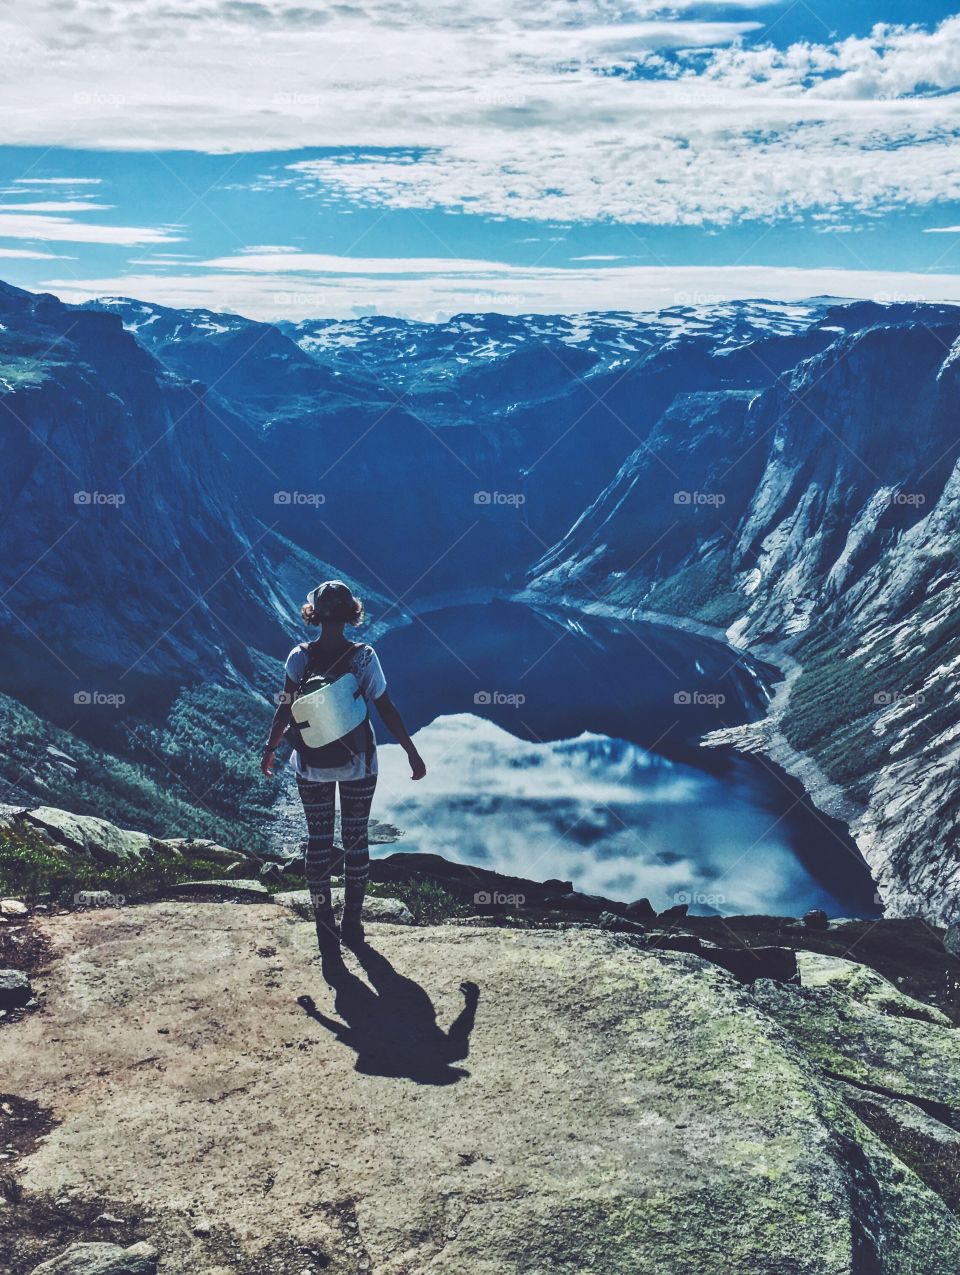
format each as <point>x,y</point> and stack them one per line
<point>30,868</point>
<point>428,903</point>
<point>834,703</point>
<point>702,591</point>
<point>60,769</point>
<point>205,750</point>
<point>831,713</point>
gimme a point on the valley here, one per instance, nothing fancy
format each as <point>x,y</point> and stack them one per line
<point>784,475</point>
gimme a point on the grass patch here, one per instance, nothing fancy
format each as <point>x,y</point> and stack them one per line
<point>838,698</point>
<point>31,868</point>
<point>428,903</point>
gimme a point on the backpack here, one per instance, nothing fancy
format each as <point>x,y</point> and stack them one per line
<point>330,720</point>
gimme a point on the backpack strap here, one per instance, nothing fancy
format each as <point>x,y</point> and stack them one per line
<point>312,664</point>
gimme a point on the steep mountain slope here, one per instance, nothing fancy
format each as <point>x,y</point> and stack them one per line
<point>128,519</point>
<point>137,571</point>
<point>820,517</point>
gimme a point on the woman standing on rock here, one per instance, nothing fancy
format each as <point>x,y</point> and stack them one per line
<point>323,710</point>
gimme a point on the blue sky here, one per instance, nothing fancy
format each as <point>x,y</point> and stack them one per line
<point>417,158</point>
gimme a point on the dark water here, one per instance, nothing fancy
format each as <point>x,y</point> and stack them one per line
<point>570,748</point>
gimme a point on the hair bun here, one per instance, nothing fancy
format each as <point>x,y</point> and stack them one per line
<point>307,612</point>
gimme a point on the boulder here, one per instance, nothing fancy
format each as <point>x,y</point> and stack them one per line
<point>675,941</point>
<point>464,880</point>
<point>620,924</point>
<point>101,1259</point>
<point>15,989</point>
<point>850,1040</point>
<point>94,838</point>
<point>374,908</point>
<point>816,919</point>
<point>905,1123</point>
<point>201,848</point>
<point>640,910</point>
<point>271,872</point>
<point>576,901</point>
<point>819,969</point>
<point>747,964</point>
<point>13,907</point>
<point>673,915</point>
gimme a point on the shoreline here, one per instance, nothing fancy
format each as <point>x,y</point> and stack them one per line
<point>764,736</point>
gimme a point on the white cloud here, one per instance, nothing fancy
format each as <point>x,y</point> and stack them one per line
<point>706,168</point>
<point>328,263</point>
<point>57,181</point>
<point>942,230</point>
<point>635,112</point>
<point>511,290</point>
<point>27,254</point>
<point>56,206</point>
<point>63,229</point>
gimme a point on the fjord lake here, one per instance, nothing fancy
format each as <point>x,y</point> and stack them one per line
<point>570,746</point>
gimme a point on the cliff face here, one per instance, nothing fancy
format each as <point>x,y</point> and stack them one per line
<point>824,526</point>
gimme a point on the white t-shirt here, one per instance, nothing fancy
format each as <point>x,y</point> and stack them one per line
<point>365,667</point>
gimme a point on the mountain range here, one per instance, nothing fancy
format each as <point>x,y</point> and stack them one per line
<point>785,473</point>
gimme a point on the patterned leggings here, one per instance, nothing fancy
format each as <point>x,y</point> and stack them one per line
<point>356,796</point>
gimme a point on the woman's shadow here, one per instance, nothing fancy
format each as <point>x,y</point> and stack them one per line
<point>392,1025</point>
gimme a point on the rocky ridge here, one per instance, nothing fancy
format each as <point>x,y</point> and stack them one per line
<point>468,1096</point>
